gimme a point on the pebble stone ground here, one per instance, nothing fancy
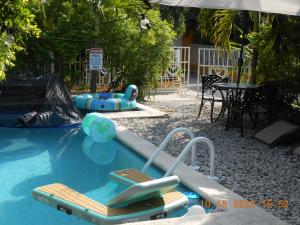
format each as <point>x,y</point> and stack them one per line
<point>244,165</point>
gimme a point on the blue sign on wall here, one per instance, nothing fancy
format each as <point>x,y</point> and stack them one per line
<point>96,59</point>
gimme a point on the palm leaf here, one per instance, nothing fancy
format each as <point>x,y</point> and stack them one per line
<point>216,26</point>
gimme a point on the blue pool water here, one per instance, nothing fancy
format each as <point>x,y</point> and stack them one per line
<point>34,157</point>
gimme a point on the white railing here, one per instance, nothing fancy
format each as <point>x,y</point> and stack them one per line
<point>177,74</point>
<point>166,141</point>
<point>222,62</point>
<point>191,146</point>
<point>179,70</point>
<point>187,148</point>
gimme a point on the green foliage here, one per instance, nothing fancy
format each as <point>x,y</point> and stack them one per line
<point>141,54</point>
<point>16,24</point>
<point>7,55</point>
<point>275,39</point>
<point>217,26</point>
<point>278,46</point>
<point>175,16</point>
<point>68,28</point>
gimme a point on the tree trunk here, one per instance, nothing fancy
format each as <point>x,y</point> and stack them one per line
<point>256,19</point>
<point>94,74</point>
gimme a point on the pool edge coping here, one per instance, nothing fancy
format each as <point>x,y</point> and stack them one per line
<point>200,183</point>
<point>143,112</point>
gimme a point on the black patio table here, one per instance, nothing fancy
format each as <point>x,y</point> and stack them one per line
<point>234,98</point>
<point>234,86</point>
<point>229,87</point>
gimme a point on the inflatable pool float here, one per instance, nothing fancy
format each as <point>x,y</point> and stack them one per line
<point>108,101</point>
<point>149,200</point>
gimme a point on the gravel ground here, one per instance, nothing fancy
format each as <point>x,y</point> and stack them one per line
<point>244,165</point>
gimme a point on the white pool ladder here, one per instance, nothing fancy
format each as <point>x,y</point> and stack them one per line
<point>187,148</point>
<point>190,146</point>
<point>164,143</point>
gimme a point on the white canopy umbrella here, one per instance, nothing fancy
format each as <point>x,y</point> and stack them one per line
<point>287,7</point>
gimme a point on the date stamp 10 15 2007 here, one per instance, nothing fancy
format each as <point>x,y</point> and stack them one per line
<point>247,204</point>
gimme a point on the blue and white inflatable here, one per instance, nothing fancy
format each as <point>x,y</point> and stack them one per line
<point>108,101</point>
<point>99,128</point>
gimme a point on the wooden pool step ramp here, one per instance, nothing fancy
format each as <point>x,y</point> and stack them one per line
<point>146,200</point>
<point>129,176</point>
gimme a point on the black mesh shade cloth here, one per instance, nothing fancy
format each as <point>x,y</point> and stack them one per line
<point>45,97</point>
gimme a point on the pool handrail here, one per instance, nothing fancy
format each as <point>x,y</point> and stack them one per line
<point>166,141</point>
<point>187,148</point>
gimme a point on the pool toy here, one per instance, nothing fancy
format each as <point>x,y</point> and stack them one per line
<point>194,198</point>
<point>101,154</point>
<point>148,200</point>
<point>108,101</point>
<point>98,127</point>
<point>87,121</point>
<point>102,130</point>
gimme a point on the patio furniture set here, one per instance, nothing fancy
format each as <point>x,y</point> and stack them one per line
<point>270,98</point>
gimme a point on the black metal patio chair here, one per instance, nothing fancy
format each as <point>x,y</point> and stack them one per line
<point>239,103</point>
<point>209,94</point>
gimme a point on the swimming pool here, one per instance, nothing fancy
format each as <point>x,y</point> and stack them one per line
<point>34,157</point>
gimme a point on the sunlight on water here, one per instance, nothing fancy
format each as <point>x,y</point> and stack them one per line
<point>14,173</point>
<point>30,158</point>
